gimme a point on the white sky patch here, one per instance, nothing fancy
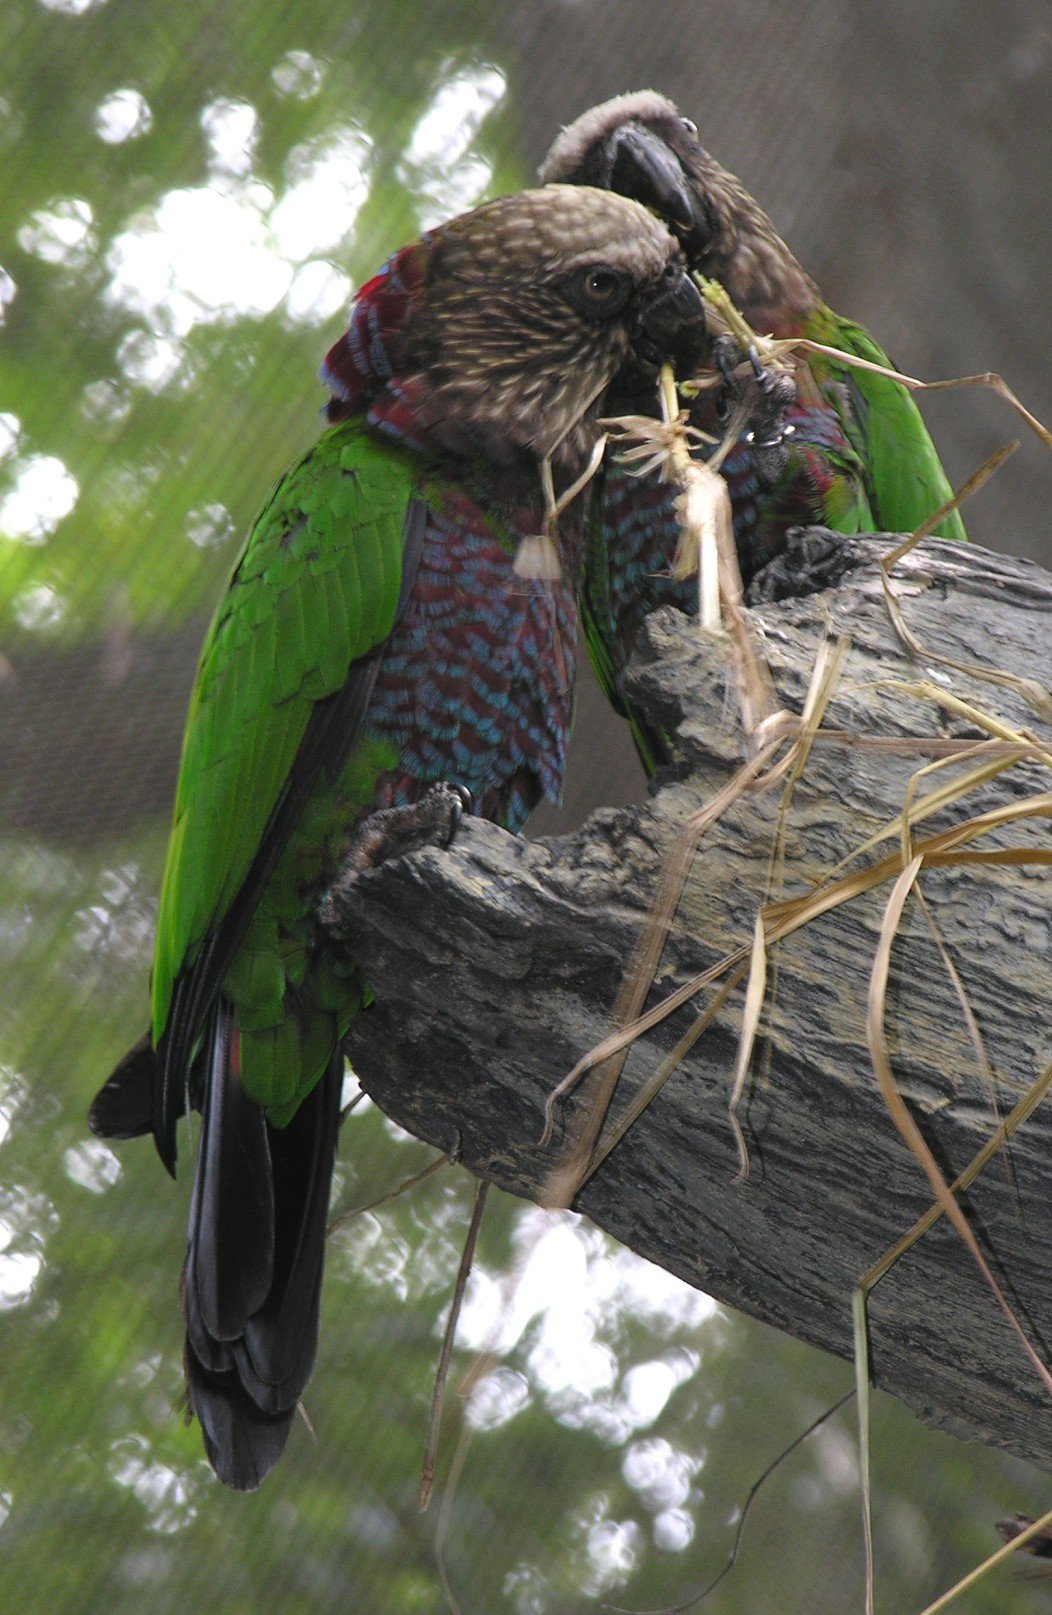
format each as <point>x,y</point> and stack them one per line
<point>228,250</point>
<point>61,233</point>
<point>298,74</point>
<point>443,195</point>
<point>18,1274</point>
<point>613,1548</point>
<point>663,1299</point>
<point>202,257</point>
<point>438,166</point>
<point>569,1289</point>
<point>352,1089</point>
<point>12,1093</point>
<point>39,607</point>
<point>42,494</point>
<point>150,360</point>
<point>124,115</point>
<point>91,1166</point>
<point>72,8</point>
<point>673,1530</point>
<point>231,128</point>
<point>209,525</point>
<point>647,1388</point>
<point>8,289</point>
<point>570,1276</point>
<point>567,1358</point>
<point>10,431</point>
<point>660,1472</point>
<point>18,1269</point>
<point>318,292</point>
<point>165,1494</point>
<point>497,1398</point>
<point>452,121</point>
<point>231,249</point>
<point>327,183</point>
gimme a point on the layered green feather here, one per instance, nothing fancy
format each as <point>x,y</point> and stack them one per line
<point>316,587</point>
<point>904,477</point>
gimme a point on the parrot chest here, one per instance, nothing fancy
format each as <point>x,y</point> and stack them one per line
<point>476,681</point>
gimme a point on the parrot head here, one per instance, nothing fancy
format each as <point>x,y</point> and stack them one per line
<point>495,335</point>
<point>641,146</point>
<point>532,304</point>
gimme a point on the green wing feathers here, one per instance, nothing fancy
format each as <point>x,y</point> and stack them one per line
<point>907,481</point>
<point>315,588</point>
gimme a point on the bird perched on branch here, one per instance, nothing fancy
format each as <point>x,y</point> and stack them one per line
<point>859,457</point>
<point>402,617</point>
<point>882,472</point>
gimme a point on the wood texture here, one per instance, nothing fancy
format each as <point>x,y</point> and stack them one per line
<point>495,965</point>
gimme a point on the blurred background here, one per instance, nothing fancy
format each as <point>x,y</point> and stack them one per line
<point>190,196</point>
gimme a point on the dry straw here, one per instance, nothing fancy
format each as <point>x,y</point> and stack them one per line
<point>780,745</point>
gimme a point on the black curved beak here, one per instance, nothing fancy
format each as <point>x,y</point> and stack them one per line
<point>672,326</point>
<point>643,168</point>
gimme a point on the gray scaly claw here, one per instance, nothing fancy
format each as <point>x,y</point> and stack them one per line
<point>390,833</point>
<point>760,395</point>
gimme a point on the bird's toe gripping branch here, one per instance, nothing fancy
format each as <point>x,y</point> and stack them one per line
<point>389,833</point>
<point>761,395</point>
<point>812,559</point>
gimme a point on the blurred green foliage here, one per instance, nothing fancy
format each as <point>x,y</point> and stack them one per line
<point>151,392</point>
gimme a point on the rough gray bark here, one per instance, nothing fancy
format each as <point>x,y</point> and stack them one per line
<point>495,965</point>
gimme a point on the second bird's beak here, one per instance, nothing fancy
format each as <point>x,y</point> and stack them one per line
<point>672,327</point>
<point>642,166</point>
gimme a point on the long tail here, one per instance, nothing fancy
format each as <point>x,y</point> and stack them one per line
<point>255,1253</point>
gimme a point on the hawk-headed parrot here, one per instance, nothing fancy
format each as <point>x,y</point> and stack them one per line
<point>859,455</point>
<point>386,630</point>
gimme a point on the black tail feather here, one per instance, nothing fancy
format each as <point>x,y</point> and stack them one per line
<point>123,1106</point>
<point>256,1249</point>
<point>230,1254</point>
<point>241,1441</point>
<point>276,1358</point>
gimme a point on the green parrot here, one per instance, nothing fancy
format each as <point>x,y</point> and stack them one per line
<point>858,437</point>
<point>841,448</point>
<point>387,631</point>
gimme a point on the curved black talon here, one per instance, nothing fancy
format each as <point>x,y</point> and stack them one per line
<point>726,352</point>
<point>763,394</point>
<point>465,804</point>
<point>769,428</point>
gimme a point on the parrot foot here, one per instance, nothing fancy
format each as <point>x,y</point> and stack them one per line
<point>814,558</point>
<point>389,833</point>
<point>761,396</point>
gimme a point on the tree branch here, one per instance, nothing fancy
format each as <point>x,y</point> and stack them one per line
<point>495,965</point>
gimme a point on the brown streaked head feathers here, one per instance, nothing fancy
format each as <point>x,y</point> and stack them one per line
<point>728,237</point>
<point>511,362</point>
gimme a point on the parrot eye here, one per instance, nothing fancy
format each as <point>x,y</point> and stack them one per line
<point>598,292</point>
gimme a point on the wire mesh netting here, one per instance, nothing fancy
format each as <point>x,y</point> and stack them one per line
<point>191,196</point>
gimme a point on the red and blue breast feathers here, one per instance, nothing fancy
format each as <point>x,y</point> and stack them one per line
<point>629,567</point>
<point>763,512</point>
<point>475,684</point>
<point>364,369</point>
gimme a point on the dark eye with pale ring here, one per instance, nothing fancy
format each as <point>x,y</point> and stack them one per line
<point>598,291</point>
